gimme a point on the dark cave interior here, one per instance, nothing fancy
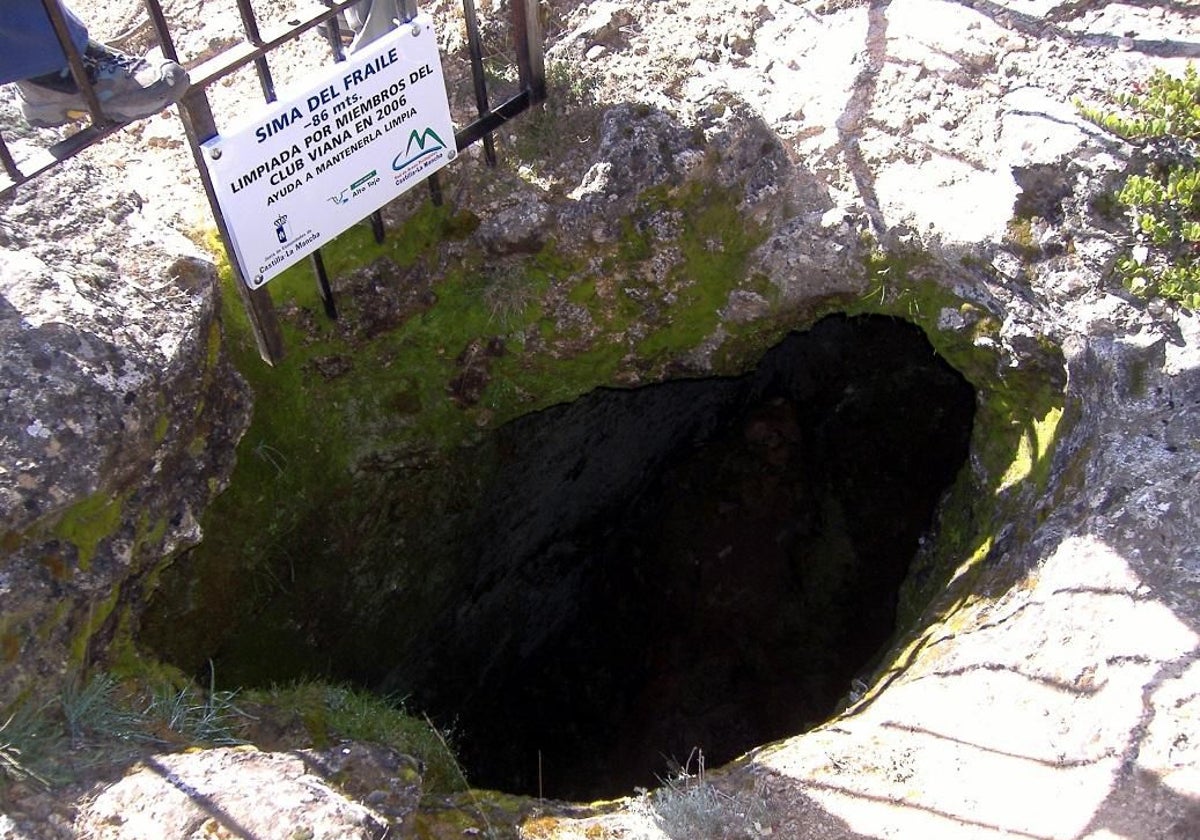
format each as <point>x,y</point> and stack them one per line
<point>732,593</point>
<point>599,588</point>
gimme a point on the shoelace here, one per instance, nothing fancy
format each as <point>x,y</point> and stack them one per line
<point>97,60</point>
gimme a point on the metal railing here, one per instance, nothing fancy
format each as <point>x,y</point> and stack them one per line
<point>200,125</point>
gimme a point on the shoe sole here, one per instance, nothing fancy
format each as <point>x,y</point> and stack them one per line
<point>51,117</point>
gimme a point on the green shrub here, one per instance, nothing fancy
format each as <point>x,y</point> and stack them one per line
<point>1163,117</point>
<point>189,716</point>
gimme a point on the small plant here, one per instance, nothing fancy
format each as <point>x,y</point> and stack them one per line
<point>329,712</point>
<point>25,741</point>
<point>99,722</point>
<point>567,115</point>
<point>688,806</point>
<point>508,296</point>
<point>190,716</point>
<point>92,713</point>
<point>1163,117</point>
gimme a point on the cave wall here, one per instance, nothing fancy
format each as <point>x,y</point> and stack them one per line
<point>572,552</point>
<point>720,589</point>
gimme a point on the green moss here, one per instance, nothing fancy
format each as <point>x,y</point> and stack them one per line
<point>1020,237</point>
<point>14,632</point>
<point>1018,421</point>
<point>330,712</point>
<point>1032,449</point>
<point>1012,402</point>
<point>583,292</point>
<point>296,464</point>
<point>716,240</point>
<point>88,522</point>
<point>1138,377</point>
<point>161,425</point>
<point>98,614</point>
<point>10,647</point>
<point>10,541</point>
<point>636,242</point>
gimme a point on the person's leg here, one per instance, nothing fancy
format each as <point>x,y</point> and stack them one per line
<point>28,46</point>
<point>127,87</point>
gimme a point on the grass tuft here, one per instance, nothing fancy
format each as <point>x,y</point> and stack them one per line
<point>329,712</point>
<point>25,743</point>
<point>92,714</point>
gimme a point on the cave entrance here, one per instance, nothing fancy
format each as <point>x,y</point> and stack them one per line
<point>600,587</point>
<point>699,564</point>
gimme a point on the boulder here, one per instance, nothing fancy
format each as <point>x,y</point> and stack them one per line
<point>121,411</point>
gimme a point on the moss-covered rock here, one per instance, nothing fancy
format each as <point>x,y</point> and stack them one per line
<point>123,438</point>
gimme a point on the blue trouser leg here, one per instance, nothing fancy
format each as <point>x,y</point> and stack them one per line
<point>28,46</point>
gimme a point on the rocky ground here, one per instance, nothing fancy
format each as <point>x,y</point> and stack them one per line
<point>1056,696</point>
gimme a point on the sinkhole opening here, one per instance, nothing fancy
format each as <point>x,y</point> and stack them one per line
<point>700,564</point>
<point>737,564</point>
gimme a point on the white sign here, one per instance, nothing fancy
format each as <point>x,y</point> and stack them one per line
<point>316,163</point>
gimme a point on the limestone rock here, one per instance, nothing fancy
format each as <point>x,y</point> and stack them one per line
<point>231,792</point>
<point>522,227</point>
<point>120,415</point>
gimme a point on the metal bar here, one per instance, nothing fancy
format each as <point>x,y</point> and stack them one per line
<point>199,125</point>
<point>238,56</point>
<point>250,24</point>
<point>46,159</point>
<point>59,22</point>
<point>333,34</point>
<point>408,10</point>
<point>435,190</point>
<point>323,287</point>
<point>475,47</point>
<point>495,118</point>
<point>159,21</point>
<point>531,66</point>
<point>316,260</point>
<point>10,165</point>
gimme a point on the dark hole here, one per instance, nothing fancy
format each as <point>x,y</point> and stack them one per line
<point>704,564</point>
<point>700,564</point>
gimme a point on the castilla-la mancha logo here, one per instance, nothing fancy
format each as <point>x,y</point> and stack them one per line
<point>421,144</point>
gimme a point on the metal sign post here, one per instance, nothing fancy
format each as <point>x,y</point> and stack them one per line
<point>200,127</point>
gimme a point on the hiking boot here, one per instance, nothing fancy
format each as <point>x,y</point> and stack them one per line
<point>128,88</point>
